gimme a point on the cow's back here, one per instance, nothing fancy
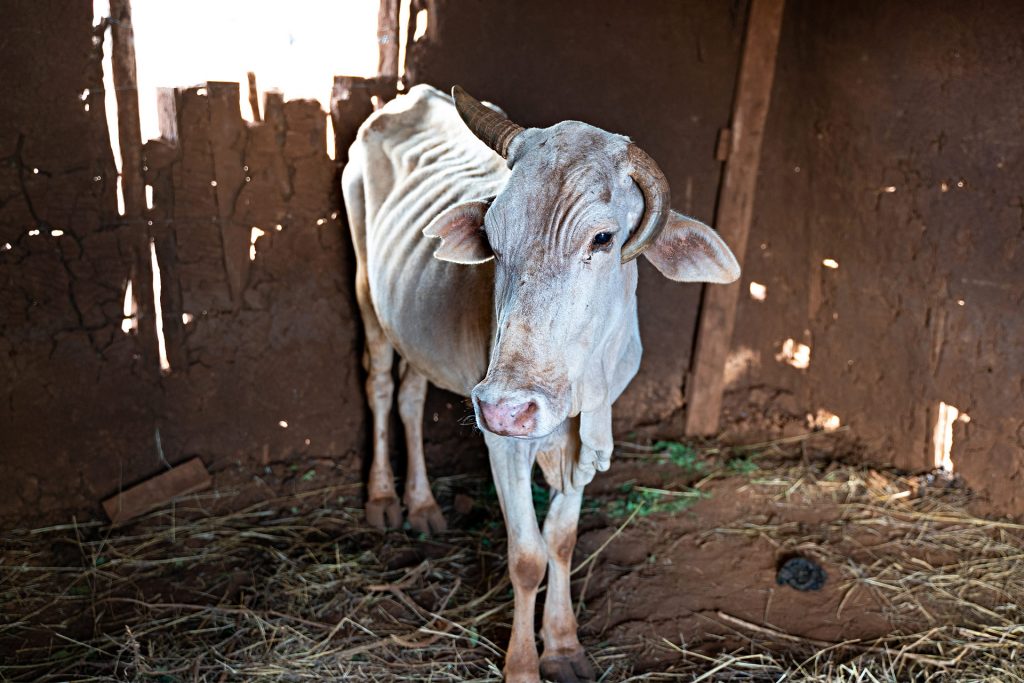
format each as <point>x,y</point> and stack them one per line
<point>411,160</point>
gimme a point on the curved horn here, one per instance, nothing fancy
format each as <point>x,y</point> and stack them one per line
<point>494,129</point>
<point>654,186</point>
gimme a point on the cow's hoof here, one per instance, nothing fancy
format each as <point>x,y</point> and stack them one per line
<point>428,519</point>
<point>521,676</point>
<point>384,513</point>
<point>567,668</point>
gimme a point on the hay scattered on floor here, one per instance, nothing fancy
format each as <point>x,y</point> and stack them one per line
<point>298,589</point>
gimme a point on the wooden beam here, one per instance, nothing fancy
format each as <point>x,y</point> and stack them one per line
<point>188,477</point>
<point>735,208</point>
<point>387,40</point>
<point>133,185</point>
<point>350,106</point>
<point>254,98</point>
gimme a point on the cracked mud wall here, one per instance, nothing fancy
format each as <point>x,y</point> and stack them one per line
<point>272,341</point>
<point>65,365</point>
<point>254,256</point>
<point>894,148</point>
<point>866,98</point>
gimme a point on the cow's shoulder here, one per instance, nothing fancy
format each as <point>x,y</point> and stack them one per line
<point>422,107</point>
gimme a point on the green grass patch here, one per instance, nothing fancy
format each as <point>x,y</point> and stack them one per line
<point>645,500</point>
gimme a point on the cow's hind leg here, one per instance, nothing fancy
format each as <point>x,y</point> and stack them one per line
<point>382,507</point>
<point>424,514</point>
<point>564,659</point>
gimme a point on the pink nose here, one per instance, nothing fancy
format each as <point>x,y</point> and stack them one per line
<point>507,419</point>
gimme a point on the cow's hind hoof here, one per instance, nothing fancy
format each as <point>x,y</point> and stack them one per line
<point>568,668</point>
<point>384,513</point>
<point>428,519</point>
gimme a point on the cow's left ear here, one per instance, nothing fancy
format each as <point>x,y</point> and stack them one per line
<point>461,229</point>
<point>689,251</point>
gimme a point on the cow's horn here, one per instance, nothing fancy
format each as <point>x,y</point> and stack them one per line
<point>654,186</point>
<point>493,128</point>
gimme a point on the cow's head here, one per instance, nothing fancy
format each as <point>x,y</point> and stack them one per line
<point>579,206</point>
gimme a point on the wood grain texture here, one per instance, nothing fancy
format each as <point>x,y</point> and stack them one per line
<point>189,477</point>
<point>735,207</point>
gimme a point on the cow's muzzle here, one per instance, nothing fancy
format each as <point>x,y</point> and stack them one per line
<point>509,419</point>
<point>518,413</point>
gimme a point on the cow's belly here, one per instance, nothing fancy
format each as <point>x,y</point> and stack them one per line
<point>436,314</point>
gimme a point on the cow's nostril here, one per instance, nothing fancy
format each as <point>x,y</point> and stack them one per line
<point>509,419</point>
<point>526,415</point>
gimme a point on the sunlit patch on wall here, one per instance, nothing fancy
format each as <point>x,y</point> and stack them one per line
<point>740,361</point>
<point>254,234</point>
<point>824,420</point>
<point>942,435</point>
<point>158,311</point>
<point>795,353</point>
<point>422,17</point>
<point>128,309</point>
<point>758,292</point>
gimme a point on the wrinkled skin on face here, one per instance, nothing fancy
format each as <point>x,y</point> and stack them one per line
<point>565,339</point>
<point>561,293</point>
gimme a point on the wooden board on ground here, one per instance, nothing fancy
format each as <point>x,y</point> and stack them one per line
<point>188,477</point>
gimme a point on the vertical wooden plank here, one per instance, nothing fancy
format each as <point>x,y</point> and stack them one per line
<point>254,98</point>
<point>132,183</point>
<point>735,207</point>
<point>350,106</point>
<point>227,142</point>
<point>409,74</point>
<point>387,39</point>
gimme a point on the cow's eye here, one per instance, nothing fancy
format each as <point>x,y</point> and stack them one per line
<point>602,238</point>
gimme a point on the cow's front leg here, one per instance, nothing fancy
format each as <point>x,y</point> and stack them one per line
<point>424,514</point>
<point>564,659</point>
<point>512,465</point>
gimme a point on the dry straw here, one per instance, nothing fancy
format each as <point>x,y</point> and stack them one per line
<point>297,589</point>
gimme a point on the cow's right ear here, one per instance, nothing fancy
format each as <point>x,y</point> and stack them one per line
<point>461,229</point>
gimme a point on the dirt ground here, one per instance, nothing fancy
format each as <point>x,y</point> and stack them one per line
<point>276,577</point>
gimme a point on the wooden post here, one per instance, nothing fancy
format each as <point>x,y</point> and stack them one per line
<point>735,208</point>
<point>254,98</point>
<point>133,186</point>
<point>387,39</point>
<point>350,106</point>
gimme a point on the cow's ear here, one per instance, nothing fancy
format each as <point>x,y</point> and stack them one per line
<point>461,229</point>
<point>689,251</point>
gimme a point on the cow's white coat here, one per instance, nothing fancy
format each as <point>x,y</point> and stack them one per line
<point>506,297</point>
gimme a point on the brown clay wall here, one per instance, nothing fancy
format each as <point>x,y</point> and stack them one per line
<point>267,368</point>
<point>894,147</point>
<point>75,397</point>
<point>85,410</point>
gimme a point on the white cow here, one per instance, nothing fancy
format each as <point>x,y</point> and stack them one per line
<point>527,304</point>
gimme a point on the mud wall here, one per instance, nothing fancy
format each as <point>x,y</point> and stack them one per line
<point>893,148</point>
<point>75,398</point>
<point>252,250</point>
<point>664,76</point>
<point>263,364</point>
